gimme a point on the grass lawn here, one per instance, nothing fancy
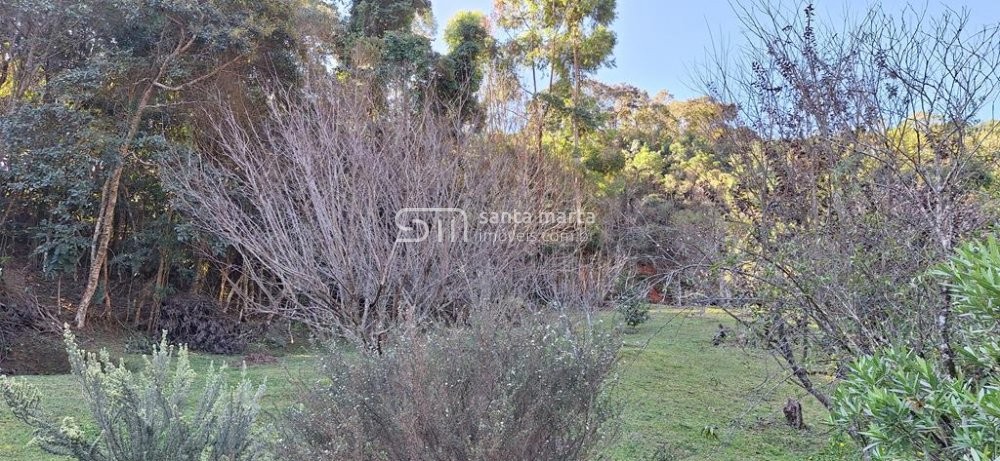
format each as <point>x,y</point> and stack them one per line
<point>683,399</point>
<point>687,399</point>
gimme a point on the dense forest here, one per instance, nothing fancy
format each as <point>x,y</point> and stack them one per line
<point>470,240</point>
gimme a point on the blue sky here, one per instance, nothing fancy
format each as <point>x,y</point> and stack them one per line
<point>660,42</point>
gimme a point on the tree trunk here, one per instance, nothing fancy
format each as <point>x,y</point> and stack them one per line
<point>102,239</point>
<point>107,292</point>
<point>106,215</point>
<point>201,273</point>
<point>109,194</point>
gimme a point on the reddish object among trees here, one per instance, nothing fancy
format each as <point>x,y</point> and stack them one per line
<point>655,295</point>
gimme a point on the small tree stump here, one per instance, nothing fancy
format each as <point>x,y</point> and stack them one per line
<point>793,414</point>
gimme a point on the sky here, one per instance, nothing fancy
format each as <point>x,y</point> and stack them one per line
<point>662,42</point>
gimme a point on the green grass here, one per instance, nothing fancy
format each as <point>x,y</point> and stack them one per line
<point>673,384</point>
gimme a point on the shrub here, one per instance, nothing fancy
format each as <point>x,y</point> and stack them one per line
<point>151,415</point>
<point>905,407</point>
<point>634,312</point>
<point>901,405</point>
<point>200,323</point>
<point>347,258</point>
<point>479,392</point>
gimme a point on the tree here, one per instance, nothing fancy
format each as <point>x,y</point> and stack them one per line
<point>377,18</point>
<point>45,176</point>
<point>316,202</point>
<point>380,41</point>
<point>461,70</point>
<point>665,166</point>
<point>563,40</point>
<point>189,40</point>
<point>119,73</point>
<point>386,42</point>
<point>859,162</point>
<point>41,39</point>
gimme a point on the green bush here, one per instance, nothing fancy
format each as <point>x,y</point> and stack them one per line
<point>634,312</point>
<point>905,407</point>
<point>152,415</point>
<point>491,390</point>
<point>900,405</point>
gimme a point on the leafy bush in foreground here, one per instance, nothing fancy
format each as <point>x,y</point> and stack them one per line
<point>903,406</point>
<point>153,415</point>
<point>518,391</point>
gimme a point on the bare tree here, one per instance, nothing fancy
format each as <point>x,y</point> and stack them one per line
<point>352,215</point>
<point>859,153</point>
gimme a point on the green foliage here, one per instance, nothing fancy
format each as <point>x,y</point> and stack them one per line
<point>404,54</point>
<point>153,414</point>
<point>375,18</point>
<point>380,41</point>
<point>560,34</point>
<point>66,120</point>
<point>466,29</point>
<point>905,406</point>
<point>633,144</point>
<point>564,42</point>
<point>461,70</point>
<point>384,47</point>
<point>973,278</point>
<point>50,166</point>
<point>634,312</point>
